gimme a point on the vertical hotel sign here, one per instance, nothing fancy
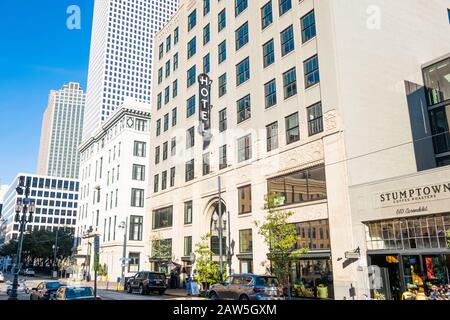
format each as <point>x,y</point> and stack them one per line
<point>205,109</point>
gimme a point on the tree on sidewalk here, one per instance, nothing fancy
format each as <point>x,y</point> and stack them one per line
<point>206,271</point>
<point>281,238</point>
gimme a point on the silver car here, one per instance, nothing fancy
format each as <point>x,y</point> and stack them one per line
<point>247,287</point>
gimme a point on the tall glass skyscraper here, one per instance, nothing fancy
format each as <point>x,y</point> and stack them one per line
<point>120,64</point>
<point>61,132</point>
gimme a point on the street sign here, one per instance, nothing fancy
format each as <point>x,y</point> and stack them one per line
<point>125,259</point>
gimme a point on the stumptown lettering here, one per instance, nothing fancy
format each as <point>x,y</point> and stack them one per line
<point>415,194</point>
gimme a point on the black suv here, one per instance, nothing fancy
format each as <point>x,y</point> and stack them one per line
<point>146,281</point>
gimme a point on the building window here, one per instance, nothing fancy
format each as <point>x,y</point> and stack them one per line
<point>243,109</point>
<point>166,122</point>
<point>440,129</point>
<point>139,149</point>
<point>161,51</point>
<point>134,262</point>
<point>206,64</point>
<point>266,15</point>
<point>157,154</point>
<point>173,147</point>
<point>164,180</point>
<point>245,241</point>
<point>190,137</point>
<point>245,148</point>
<point>290,83</point>
<point>206,34</point>
<point>285,6</point>
<point>160,75</point>
<point>270,93</point>
<point>192,20</point>
<point>138,172</point>
<point>189,170</point>
<point>175,89</point>
<point>242,71</point>
<point>437,82</point>
<point>206,7</point>
<point>272,136</point>
<point>206,164</point>
<point>301,186</point>
<point>268,53</point>
<point>223,157</point>
<point>191,47</point>
<point>222,51</point>
<point>137,198</point>
<point>315,121</point>
<point>292,128</point>
<point>175,61</point>
<point>245,199</point>
<point>187,246</point>
<point>141,125</point>
<point>168,43</point>
<point>176,34</point>
<point>222,85</point>
<point>311,67</point>
<point>158,127</point>
<point>223,120</point>
<point>241,35</point>
<point>156,183</point>
<point>165,150</point>
<point>222,20</point>
<point>167,73</point>
<point>287,41</point>
<point>162,218</point>
<point>188,207</point>
<point>172,176</point>
<point>191,74</point>
<point>136,227</point>
<point>159,101</point>
<point>174,117</point>
<point>167,95</point>
<point>190,109</point>
<point>240,6</point>
<point>308,25</point>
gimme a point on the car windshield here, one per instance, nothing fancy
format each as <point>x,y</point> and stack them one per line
<point>72,293</point>
<point>53,285</point>
<point>267,282</point>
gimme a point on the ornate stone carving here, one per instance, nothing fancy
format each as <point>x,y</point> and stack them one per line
<point>331,120</point>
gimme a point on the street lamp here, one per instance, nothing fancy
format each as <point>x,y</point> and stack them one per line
<point>23,208</point>
<point>123,225</point>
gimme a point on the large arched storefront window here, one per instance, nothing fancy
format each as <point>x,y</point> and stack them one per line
<point>214,229</point>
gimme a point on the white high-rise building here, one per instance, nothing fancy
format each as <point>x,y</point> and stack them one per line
<point>61,132</point>
<point>120,64</point>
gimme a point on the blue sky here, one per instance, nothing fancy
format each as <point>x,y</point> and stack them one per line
<point>37,53</point>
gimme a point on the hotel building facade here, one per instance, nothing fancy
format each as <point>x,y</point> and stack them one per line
<point>313,100</point>
<point>113,181</point>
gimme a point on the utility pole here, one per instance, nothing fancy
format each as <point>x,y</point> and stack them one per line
<point>220,229</point>
<point>124,225</point>
<point>55,247</point>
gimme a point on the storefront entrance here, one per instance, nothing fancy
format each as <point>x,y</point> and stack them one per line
<point>405,271</point>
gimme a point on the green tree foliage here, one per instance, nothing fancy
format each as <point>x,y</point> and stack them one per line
<point>37,249</point>
<point>448,237</point>
<point>205,270</point>
<point>280,236</point>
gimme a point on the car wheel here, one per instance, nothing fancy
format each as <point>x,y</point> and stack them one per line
<point>129,290</point>
<point>244,297</point>
<point>141,290</point>
<point>8,292</point>
<point>213,296</point>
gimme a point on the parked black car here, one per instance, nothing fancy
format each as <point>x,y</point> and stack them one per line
<point>146,282</point>
<point>45,290</point>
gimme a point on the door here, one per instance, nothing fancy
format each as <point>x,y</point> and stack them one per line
<point>234,290</point>
<point>412,271</point>
<point>136,280</point>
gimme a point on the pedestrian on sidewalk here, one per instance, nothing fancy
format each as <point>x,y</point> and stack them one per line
<point>189,285</point>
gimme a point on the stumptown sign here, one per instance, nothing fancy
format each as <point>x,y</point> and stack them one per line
<point>414,195</point>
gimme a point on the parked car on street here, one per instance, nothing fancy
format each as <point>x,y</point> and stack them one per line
<point>146,282</point>
<point>247,287</point>
<point>29,272</point>
<point>2,277</point>
<point>74,293</point>
<point>21,288</point>
<point>45,290</point>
